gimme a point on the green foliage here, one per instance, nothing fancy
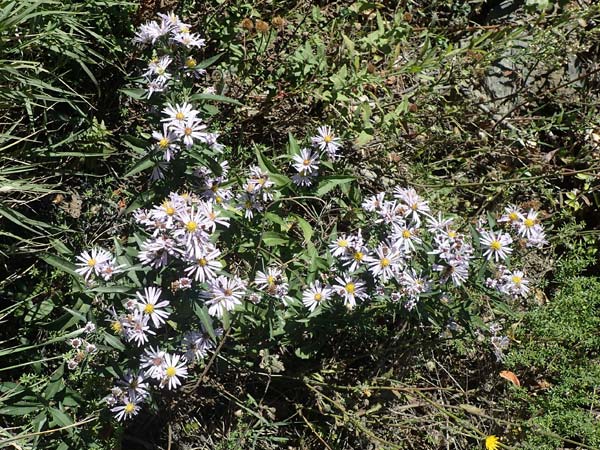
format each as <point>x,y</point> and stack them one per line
<point>558,356</point>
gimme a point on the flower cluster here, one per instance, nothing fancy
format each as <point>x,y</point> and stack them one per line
<point>97,263</point>
<point>306,162</point>
<point>171,32</point>
<point>81,348</point>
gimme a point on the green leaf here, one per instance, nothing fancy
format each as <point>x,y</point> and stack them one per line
<point>215,98</point>
<point>60,418</point>
<point>272,239</point>
<point>307,230</point>
<point>135,93</point>
<point>202,312</point>
<point>140,166</point>
<point>60,263</point>
<point>113,341</point>
<point>328,183</point>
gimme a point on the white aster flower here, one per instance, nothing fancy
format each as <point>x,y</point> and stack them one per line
<point>529,224</point>
<point>315,294</point>
<point>306,162</point>
<point>166,142</point>
<point>326,141</point>
<point>153,363</point>
<point>179,114</point>
<point>350,289</point>
<point>189,130</point>
<point>224,295</point>
<point>496,245</point>
<point>174,368</point>
<point>92,262</point>
<point>385,262</point>
<point>149,304</point>
<point>137,328</point>
<point>206,264</point>
<point>129,408</point>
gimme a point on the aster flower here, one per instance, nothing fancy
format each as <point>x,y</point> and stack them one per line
<point>512,215</point>
<point>134,384</point>
<point>149,304</point>
<point>326,141</point>
<point>304,178</point>
<point>341,245</point>
<point>153,363</point>
<point>166,142</point>
<point>529,224</point>
<point>174,368</point>
<point>384,262</point>
<point>206,264</point>
<point>91,263</point>
<point>306,162</point>
<point>189,130</point>
<point>350,289</point>
<point>496,245</point>
<point>224,295</point>
<point>356,257</point>
<point>315,294</point>
<point>199,343</point>
<point>158,69</point>
<point>128,408</point>
<point>405,236</point>
<point>415,205</point>
<point>178,114</point>
<point>137,328</point>
<point>189,40</point>
<point>374,202</point>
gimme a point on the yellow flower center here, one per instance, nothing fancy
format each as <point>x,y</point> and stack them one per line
<point>91,262</point>
<point>163,143</point>
<point>495,245</point>
<point>343,243</point>
<point>318,297</point>
<point>184,30</point>
<point>180,116</point>
<point>384,262</point>
<point>116,326</point>
<point>306,162</point>
<point>169,210</point>
<point>328,139</point>
<point>406,234</point>
<point>160,70</point>
<point>187,131</point>
<point>129,408</point>
<point>513,216</point>
<point>202,262</point>
<point>149,308</point>
<point>529,222</point>
<point>171,371</point>
<point>414,207</point>
<point>191,226</point>
<point>219,199</point>
<point>516,279</point>
<point>358,256</point>
<point>190,63</point>
<point>451,234</point>
<point>350,288</point>
<point>271,279</point>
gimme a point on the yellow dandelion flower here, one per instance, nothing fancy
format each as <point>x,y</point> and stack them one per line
<point>491,443</point>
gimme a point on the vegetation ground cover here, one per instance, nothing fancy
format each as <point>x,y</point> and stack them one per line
<point>476,105</point>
